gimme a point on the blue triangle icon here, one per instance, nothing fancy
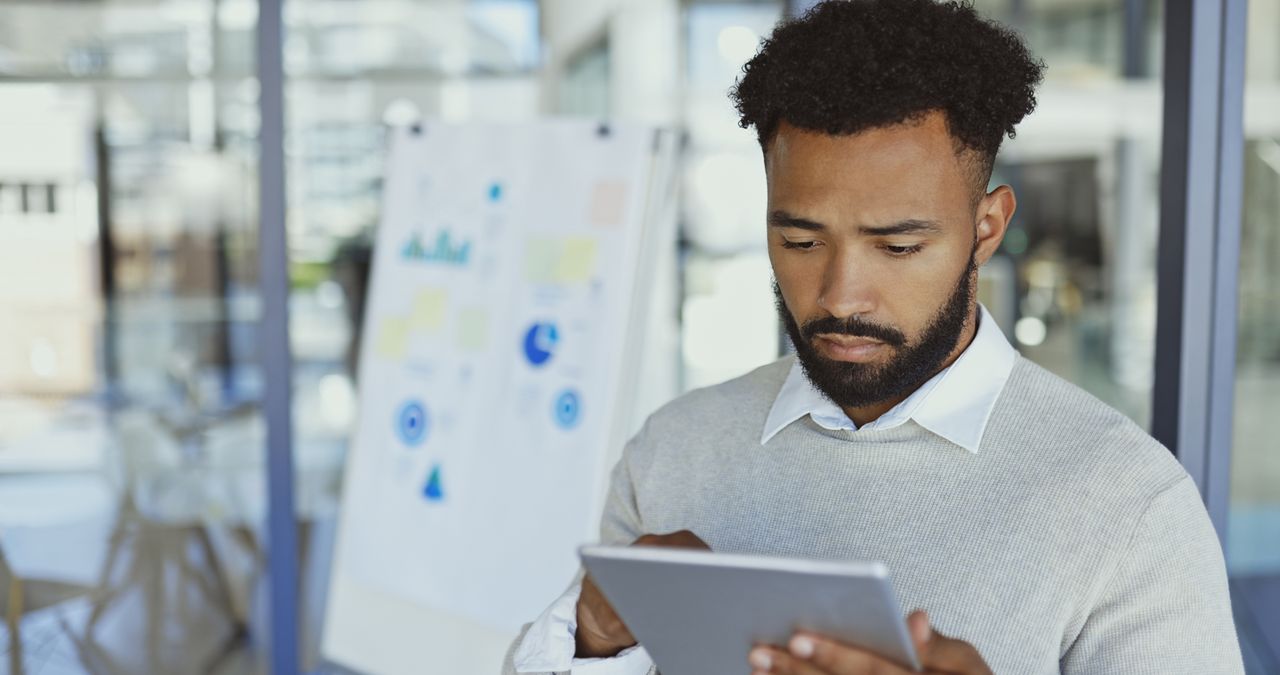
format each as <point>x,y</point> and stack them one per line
<point>434,492</point>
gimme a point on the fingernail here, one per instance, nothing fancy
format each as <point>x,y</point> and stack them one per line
<point>925,633</point>
<point>760,659</point>
<point>802,646</point>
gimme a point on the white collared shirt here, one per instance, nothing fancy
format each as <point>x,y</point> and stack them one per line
<point>954,404</point>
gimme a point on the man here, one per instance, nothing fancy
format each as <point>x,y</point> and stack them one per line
<point>1041,531</point>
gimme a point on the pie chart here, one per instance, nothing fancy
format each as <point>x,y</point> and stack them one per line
<point>540,343</point>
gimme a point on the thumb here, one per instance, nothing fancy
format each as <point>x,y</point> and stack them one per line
<point>937,652</point>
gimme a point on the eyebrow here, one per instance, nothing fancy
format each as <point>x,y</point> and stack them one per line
<point>909,226</point>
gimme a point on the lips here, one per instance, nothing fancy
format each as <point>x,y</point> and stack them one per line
<point>848,347</point>
<point>849,340</point>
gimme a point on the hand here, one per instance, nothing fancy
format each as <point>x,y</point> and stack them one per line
<point>600,631</point>
<point>809,654</point>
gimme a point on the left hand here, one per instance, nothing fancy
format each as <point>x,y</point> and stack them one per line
<point>810,654</point>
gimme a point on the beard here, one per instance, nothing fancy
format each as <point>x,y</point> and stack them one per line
<point>858,385</point>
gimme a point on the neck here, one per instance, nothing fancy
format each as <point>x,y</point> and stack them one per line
<point>868,414</point>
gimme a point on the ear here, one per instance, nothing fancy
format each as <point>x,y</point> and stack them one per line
<point>995,210</point>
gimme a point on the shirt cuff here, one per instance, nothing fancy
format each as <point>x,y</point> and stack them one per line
<point>549,645</point>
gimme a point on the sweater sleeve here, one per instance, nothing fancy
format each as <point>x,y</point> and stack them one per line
<point>1165,608</point>
<point>621,524</point>
<point>547,645</point>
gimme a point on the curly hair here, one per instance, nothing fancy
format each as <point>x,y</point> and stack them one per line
<point>851,65</point>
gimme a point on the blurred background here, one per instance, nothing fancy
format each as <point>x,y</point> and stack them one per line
<point>132,484</point>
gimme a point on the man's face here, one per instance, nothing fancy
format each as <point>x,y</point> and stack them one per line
<point>874,248</point>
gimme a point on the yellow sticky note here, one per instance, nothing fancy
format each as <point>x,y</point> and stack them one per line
<point>393,338</point>
<point>473,329</point>
<point>428,310</point>
<point>577,260</point>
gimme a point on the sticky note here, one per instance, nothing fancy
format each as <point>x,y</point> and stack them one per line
<point>428,310</point>
<point>577,260</point>
<point>393,338</point>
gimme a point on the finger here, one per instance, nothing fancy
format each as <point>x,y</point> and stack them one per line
<point>839,659</point>
<point>778,662</point>
<point>597,616</point>
<point>918,626</point>
<point>678,539</point>
<point>594,600</point>
<point>687,539</point>
<point>646,540</point>
<point>954,656</point>
<point>939,652</point>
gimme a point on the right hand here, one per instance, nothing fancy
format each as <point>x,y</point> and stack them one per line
<point>601,632</point>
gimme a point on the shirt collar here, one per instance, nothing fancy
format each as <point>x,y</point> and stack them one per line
<point>954,404</point>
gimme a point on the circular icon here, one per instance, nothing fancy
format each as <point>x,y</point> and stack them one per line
<point>411,423</point>
<point>568,409</point>
<point>540,343</point>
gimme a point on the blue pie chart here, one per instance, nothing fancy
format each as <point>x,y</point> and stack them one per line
<point>411,423</point>
<point>568,409</point>
<point>540,343</point>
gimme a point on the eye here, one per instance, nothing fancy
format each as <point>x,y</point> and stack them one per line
<point>801,245</point>
<point>902,251</point>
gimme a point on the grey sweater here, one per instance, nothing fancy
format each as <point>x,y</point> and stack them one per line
<point>1071,543</point>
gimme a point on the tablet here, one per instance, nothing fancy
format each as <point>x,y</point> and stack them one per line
<point>699,613</point>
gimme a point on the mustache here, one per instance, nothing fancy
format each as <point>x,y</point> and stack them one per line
<point>853,327</point>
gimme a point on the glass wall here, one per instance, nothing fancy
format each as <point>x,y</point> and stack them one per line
<point>131,488</point>
<point>1074,284</point>
<point>729,324</point>
<point>1253,533</point>
<point>129,365</point>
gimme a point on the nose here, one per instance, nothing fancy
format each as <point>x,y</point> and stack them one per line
<point>847,288</point>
